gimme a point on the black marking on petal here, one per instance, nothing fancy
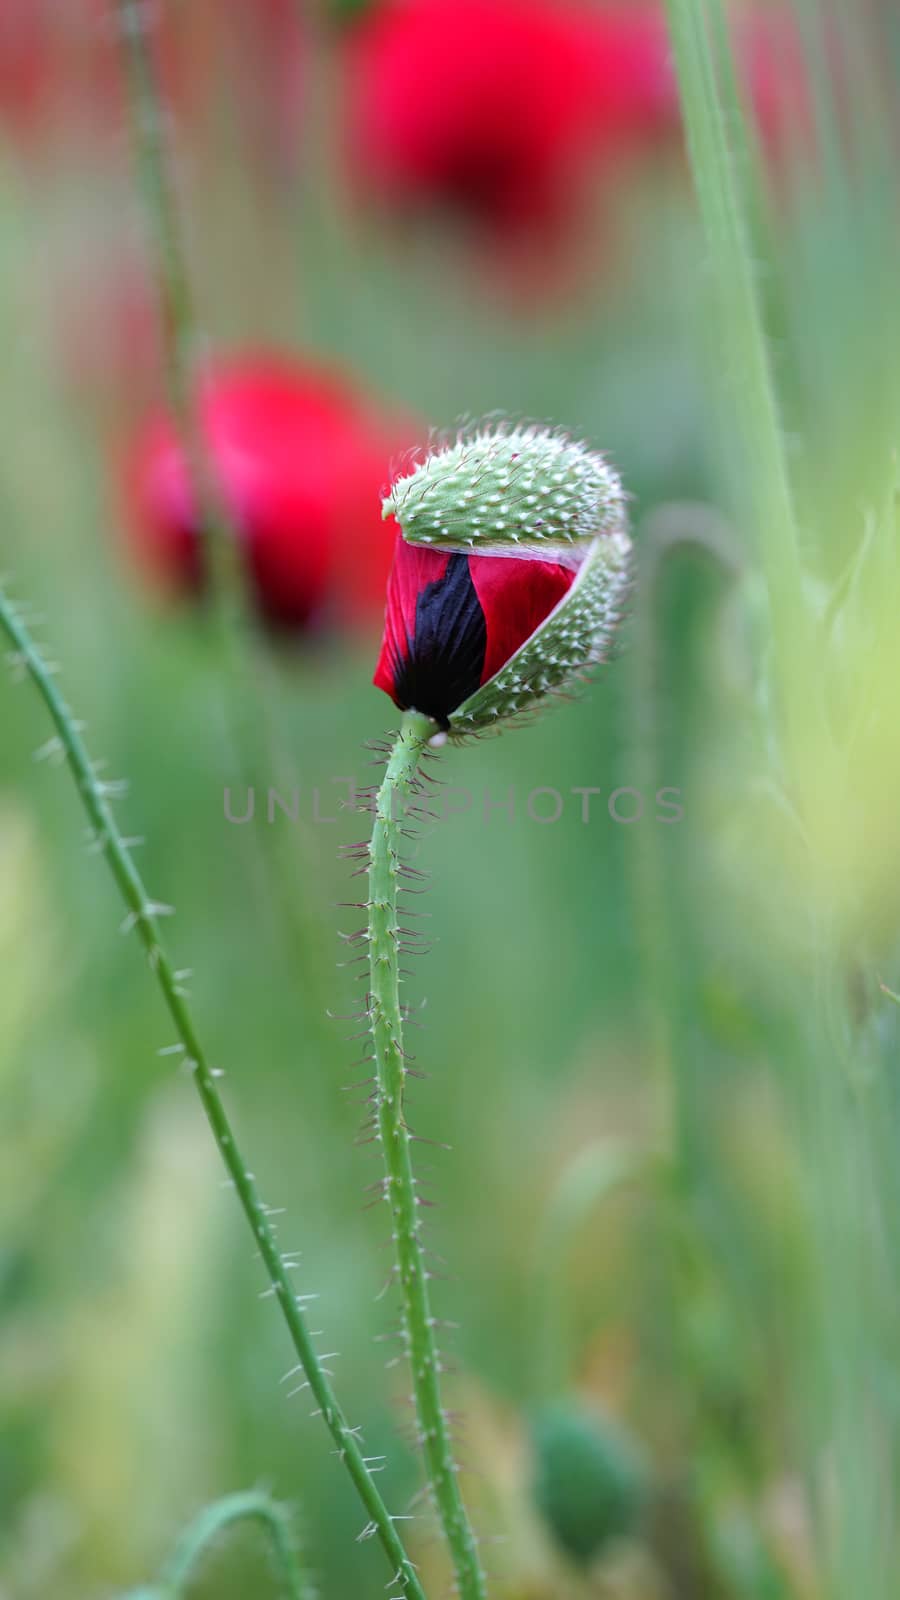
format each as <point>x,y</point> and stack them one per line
<point>444,659</point>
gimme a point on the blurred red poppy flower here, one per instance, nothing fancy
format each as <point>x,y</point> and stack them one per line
<point>454,620</point>
<point>776,76</point>
<point>299,460</point>
<point>23,57</point>
<point>500,109</point>
<point>491,107</point>
<point>61,67</point>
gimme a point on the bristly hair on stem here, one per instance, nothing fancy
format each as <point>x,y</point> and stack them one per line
<point>143,915</point>
<point>400,798</point>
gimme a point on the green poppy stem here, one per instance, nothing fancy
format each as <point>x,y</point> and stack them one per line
<point>143,916</point>
<point>401,788</point>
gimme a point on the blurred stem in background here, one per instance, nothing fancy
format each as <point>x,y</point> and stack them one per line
<point>745,359</point>
<point>399,798</point>
<point>853,1535</point>
<point>250,694</point>
<point>741,1556</point>
<point>668,532</point>
<point>194,1545</point>
<point>180,331</point>
<point>143,915</point>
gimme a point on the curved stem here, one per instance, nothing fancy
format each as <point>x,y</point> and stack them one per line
<point>143,916</point>
<point>400,786</point>
<point>250,1506</point>
<point>679,526</point>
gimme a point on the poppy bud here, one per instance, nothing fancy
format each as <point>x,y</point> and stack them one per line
<point>510,569</point>
<point>591,1482</point>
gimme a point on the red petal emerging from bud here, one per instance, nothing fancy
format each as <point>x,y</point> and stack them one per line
<point>454,620</point>
<point>515,596</point>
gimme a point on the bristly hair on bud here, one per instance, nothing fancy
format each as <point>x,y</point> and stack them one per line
<point>504,488</point>
<point>511,567</point>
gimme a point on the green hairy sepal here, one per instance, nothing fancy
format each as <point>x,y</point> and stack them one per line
<point>577,635</point>
<point>509,490</point>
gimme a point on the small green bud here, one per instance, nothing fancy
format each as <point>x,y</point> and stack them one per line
<point>590,1480</point>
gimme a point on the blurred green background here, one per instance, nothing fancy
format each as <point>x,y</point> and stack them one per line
<point>668,1210</point>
